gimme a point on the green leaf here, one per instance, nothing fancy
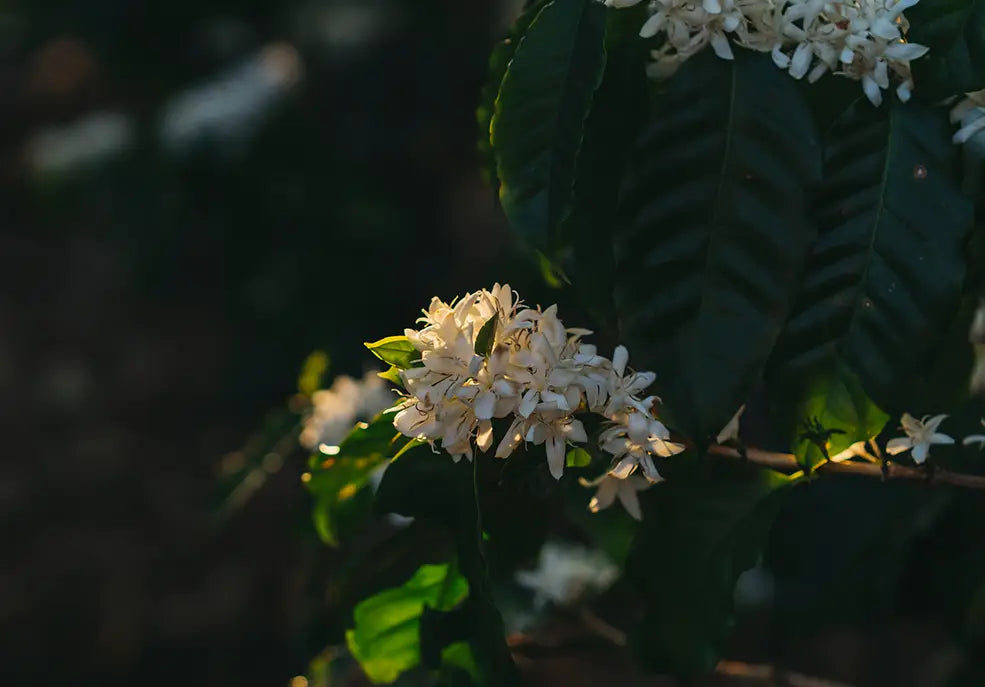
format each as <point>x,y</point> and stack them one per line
<point>540,113</point>
<point>954,30</point>
<point>397,351</point>
<point>834,398</point>
<point>313,372</point>
<point>486,337</point>
<point>424,485</point>
<point>717,229</point>
<point>578,458</point>
<point>392,375</point>
<point>459,656</point>
<point>885,277</point>
<point>339,478</point>
<point>499,60</point>
<point>386,636</point>
<point>695,540</point>
<point>618,112</point>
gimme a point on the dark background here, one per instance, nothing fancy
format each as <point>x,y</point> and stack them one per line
<point>157,298</point>
<point>195,196</point>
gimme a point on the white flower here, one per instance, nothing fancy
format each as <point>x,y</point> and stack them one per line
<point>730,432</point>
<point>862,39</point>
<point>633,441</point>
<point>533,370</point>
<point>334,410</point>
<point>856,450</point>
<point>975,438</point>
<point>624,389</point>
<point>609,488</point>
<point>566,573</point>
<point>920,435</point>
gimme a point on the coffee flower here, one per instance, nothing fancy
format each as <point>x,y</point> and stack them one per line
<point>920,435</point>
<point>487,357</point>
<point>864,40</point>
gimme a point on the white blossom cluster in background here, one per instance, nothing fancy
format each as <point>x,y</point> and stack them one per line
<point>335,410</point>
<point>860,39</point>
<point>537,373</point>
<point>969,112</point>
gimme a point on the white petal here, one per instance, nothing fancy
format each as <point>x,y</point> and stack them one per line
<point>555,455</point>
<point>630,500</point>
<point>619,359</point>
<point>780,59</point>
<point>905,51</point>
<point>575,431</point>
<point>484,437</point>
<point>720,44</point>
<point>528,403</point>
<point>801,61</point>
<point>938,438</point>
<point>605,495</point>
<point>624,468</point>
<point>712,6</point>
<point>898,445</point>
<point>974,439</point>
<point>650,470</point>
<point>484,405</point>
<point>653,25</point>
<point>872,91</point>
<point>920,452</point>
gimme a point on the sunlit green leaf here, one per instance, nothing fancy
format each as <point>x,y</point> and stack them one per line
<point>386,636</point>
<point>395,350</point>
<point>392,375</point>
<point>578,458</point>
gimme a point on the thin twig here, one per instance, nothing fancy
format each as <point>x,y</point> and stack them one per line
<point>771,675</point>
<point>787,462</point>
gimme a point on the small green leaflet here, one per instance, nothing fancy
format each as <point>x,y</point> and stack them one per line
<point>397,351</point>
<point>487,337</point>
<point>578,458</point>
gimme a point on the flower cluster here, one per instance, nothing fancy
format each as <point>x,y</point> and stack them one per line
<point>861,39</point>
<point>487,357</point>
<point>969,112</point>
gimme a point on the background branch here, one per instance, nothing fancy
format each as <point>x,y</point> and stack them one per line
<point>787,462</point>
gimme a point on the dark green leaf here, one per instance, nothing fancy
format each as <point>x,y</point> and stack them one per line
<point>618,112</point>
<point>540,113</point>
<point>885,277</point>
<point>486,337</point>
<point>954,30</point>
<point>716,231</point>
<point>386,636</point>
<point>395,350</point>
<point>694,542</point>
<point>499,60</point>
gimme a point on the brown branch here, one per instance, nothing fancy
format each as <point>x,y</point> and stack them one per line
<point>787,462</point>
<point>770,675</point>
